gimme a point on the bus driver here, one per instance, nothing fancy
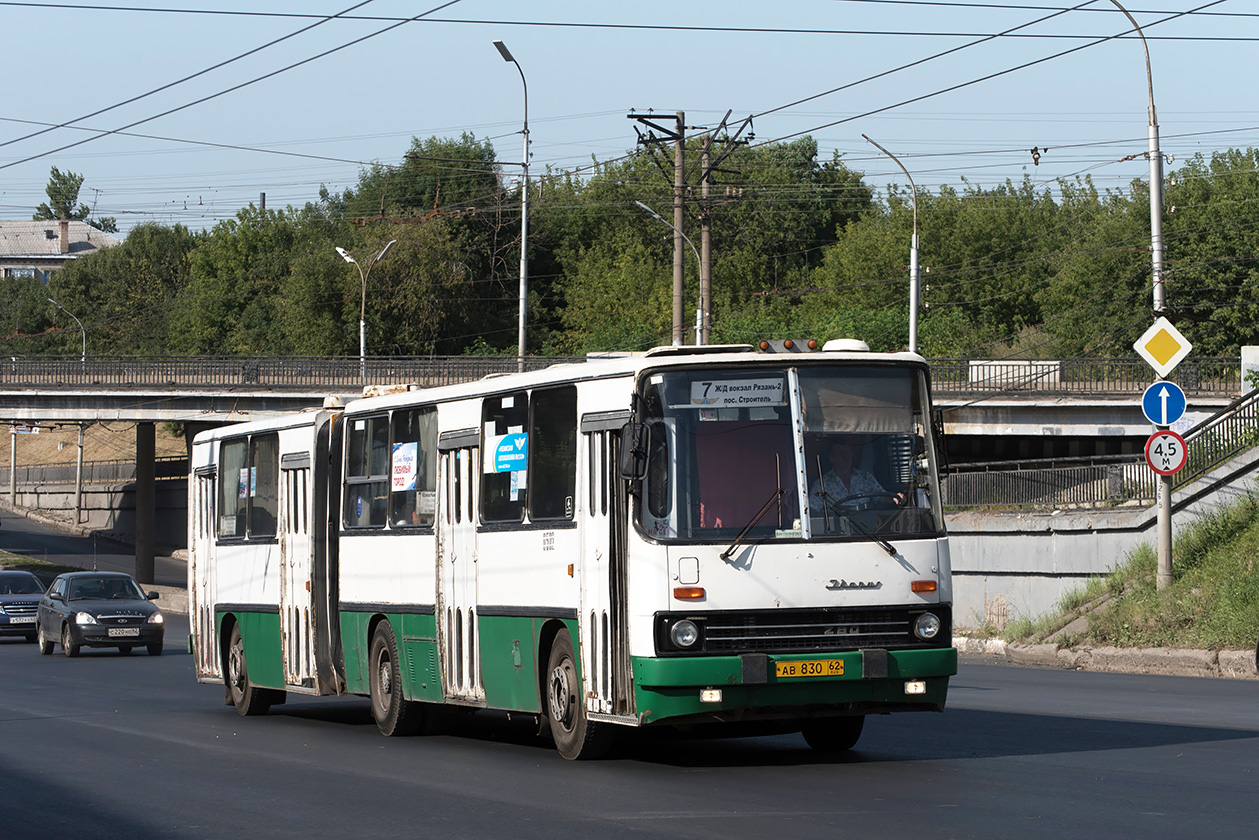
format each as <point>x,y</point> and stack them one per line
<point>844,478</point>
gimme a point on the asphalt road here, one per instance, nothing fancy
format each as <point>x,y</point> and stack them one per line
<point>41,541</point>
<point>106,746</point>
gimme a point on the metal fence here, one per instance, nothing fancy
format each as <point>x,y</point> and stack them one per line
<point>99,472</point>
<point>307,373</point>
<point>1209,376</point>
<point>1102,482</point>
<point>1212,376</point>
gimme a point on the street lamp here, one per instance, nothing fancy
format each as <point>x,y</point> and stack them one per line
<point>524,210</point>
<point>1163,575</point>
<point>362,309</point>
<point>913,253</point>
<point>77,321</point>
<point>698,334</point>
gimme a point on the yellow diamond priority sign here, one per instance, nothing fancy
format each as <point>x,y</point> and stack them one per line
<point>1163,347</point>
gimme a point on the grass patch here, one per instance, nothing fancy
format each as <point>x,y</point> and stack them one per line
<point>42,568</point>
<point>1212,602</point>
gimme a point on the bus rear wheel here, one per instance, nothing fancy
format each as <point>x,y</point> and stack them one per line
<point>575,735</point>
<point>834,735</point>
<point>248,699</point>
<point>394,714</point>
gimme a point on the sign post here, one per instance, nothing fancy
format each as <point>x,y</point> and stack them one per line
<point>1163,347</point>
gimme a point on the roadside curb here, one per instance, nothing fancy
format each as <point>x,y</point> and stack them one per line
<point>1228,664</point>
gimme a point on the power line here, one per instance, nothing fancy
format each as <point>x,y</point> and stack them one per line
<point>235,87</point>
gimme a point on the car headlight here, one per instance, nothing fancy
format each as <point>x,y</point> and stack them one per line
<point>85,618</point>
<point>684,633</point>
<point>927,626</point>
<point>156,618</point>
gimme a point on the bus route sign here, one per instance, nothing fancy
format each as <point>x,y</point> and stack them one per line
<point>1166,452</point>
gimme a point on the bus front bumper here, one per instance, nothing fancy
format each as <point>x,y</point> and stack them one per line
<point>789,687</point>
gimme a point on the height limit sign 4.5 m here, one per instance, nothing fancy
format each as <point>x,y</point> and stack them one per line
<point>1166,452</point>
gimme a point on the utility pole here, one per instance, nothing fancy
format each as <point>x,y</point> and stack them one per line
<point>678,135</point>
<point>707,167</point>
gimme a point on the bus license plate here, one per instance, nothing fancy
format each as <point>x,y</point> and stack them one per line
<point>114,632</point>
<point>812,668</point>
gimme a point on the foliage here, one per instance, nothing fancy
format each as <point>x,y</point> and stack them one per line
<point>801,247</point>
<point>63,194</point>
<point>1212,602</point>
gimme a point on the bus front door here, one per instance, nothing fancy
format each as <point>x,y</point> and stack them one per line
<point>296,625</point>
<point>457,576</point>
<point>605,660</point>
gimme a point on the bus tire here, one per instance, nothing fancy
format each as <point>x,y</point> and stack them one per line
<point>834,735</point>
<point>575,735</point>
<point>248,699</point>
<point>393,713</point>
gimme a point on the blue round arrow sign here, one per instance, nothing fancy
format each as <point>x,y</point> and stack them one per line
<point>1163,403</point>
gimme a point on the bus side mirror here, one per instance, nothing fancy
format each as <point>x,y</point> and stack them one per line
<point>634,451</point>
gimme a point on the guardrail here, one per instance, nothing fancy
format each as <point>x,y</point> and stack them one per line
<point>98,472</point>
<point>1102,482</point>
<point>1210,376</point>
<point>309,373</point>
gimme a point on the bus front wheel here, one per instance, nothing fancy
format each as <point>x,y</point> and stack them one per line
<point>248,699</point>
<point>834,735</point>
<point>394,714</point>
<point>575,735</point>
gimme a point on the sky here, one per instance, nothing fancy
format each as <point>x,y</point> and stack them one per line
<point>303,109</point>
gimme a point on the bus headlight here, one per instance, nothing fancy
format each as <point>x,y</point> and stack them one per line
<point>927,626</point>
<point>684,633</point>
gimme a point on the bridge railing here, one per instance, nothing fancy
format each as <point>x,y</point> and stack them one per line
<point>1102,481</point>
<point>1207,376</point>
<point>311,373</point>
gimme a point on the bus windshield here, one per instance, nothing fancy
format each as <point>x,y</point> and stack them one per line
<point>824,451</point>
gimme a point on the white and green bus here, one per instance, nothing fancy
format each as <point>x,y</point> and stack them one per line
<point>689,536</point>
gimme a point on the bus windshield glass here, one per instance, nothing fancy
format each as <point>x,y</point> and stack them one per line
<point>846,449</point>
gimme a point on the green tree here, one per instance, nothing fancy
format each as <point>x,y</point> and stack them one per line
<point>63,196</point>
<point>126,295</point>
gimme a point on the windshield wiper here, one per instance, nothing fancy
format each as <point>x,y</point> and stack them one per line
<point>777,494</point>
<point>866,532</point>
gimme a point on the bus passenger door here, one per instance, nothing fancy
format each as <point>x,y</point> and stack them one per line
<point>296,625</point>
<point>457,575</point>
<point>605,659</point>
<point>201,594</point>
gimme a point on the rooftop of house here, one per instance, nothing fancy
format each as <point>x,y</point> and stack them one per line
<point>51,240</point>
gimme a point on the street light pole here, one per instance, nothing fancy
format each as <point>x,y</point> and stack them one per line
<point>913,253</point>
<point>704,317</point>
<point>524,211</point>
<point>1163,577</point>
<point>83,359</point>
<point>362,309</point>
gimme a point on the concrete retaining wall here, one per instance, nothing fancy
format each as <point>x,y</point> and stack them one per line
<point>109,509</point>
<point>1012,565</point>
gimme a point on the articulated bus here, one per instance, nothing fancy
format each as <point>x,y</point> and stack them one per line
<point>685,537</point>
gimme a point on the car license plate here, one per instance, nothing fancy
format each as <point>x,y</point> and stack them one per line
<point>811,668</point>
<point>21,619</point>
<point>124,631</point>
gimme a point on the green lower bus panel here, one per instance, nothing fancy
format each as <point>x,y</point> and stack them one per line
<point>260,635</point>
<point>674,688</point>
<point>508,650</point>
<point>416,637</point>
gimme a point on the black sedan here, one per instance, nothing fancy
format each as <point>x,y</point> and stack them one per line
<point>98,609</point>
<point>19,598</point>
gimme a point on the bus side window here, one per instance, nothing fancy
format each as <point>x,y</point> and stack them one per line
<point>366,472</point>
<point>413,468</point>
<point>553,454</point>
<point>503,493</point>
